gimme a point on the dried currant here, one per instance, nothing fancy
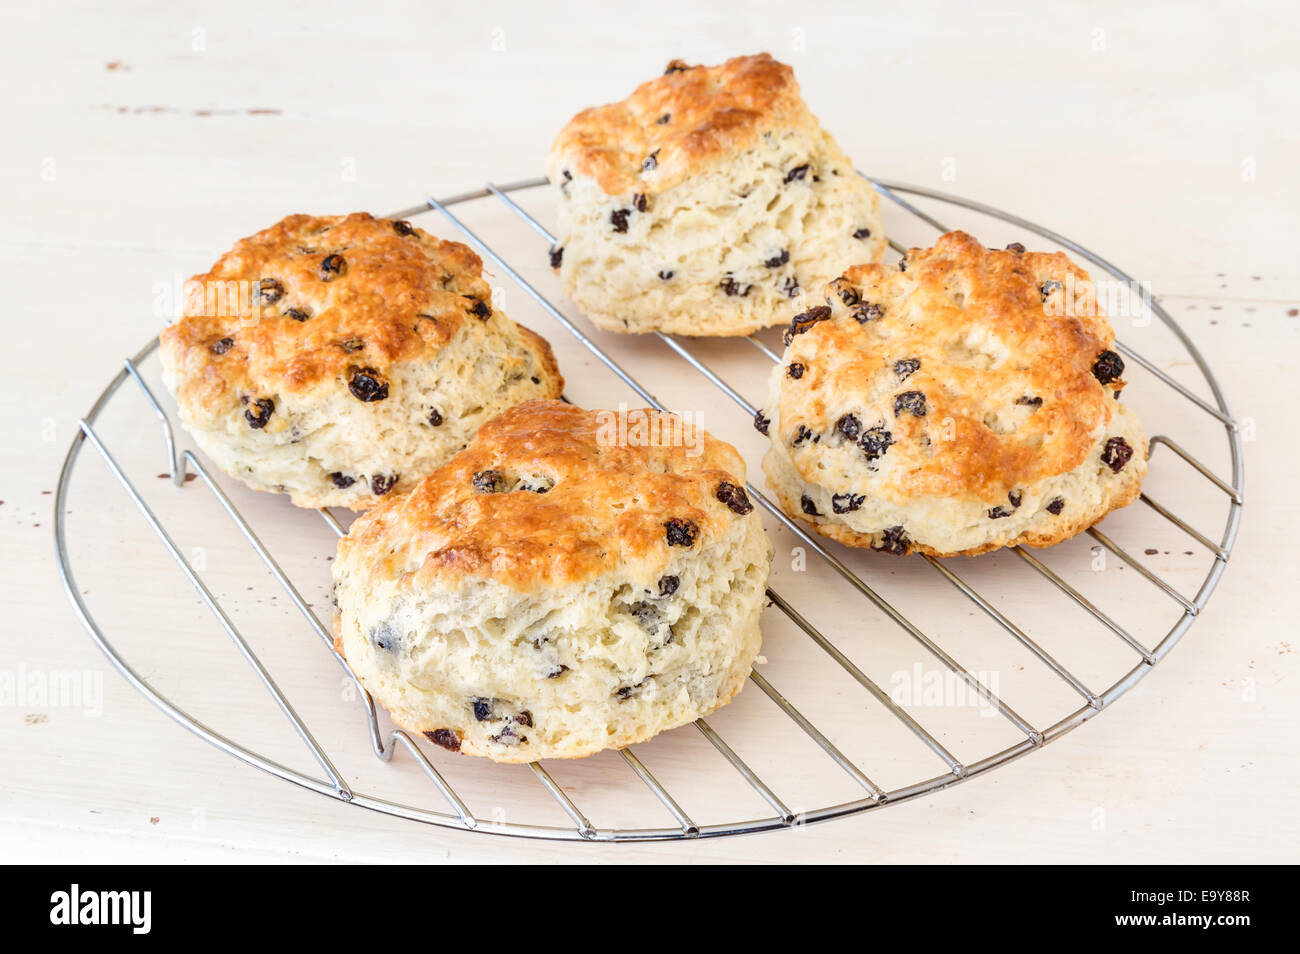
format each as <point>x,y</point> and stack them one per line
<point>1045,290</point>
<point>297,314</point>
<point>808,507</point>
<point>482,709</point>
<point>733,288</point>
<point>776,261</point>
<point>906,367</point>
<point>618,219</point>
<point>868,311</point>
<point>331,267</point>
<point>805,320</point>
<point>1016,247</point>
<point>893,540</point>
<point>668,585</point>
<point>480,309</point>
<point>444,737</point>
<point>798,172</point>
<point>650,162</point>
<point>913,402</point>
<point>734,497</point>
<point>381,484</point>
<point>222,345</point>
<point>269,291</point>
<point>802,433</point>
<point>403,227</point>
<point>366,384</point>
<point>863,233</point>
<point>1108,367</point>
<point>435,417</point>
<point>681,533</point>
<point>791,287</point>
<point>795,370</point>
<point>1026,401</point>
<point>666,274</point>
<point>675,66</point>
<point>557,256</point>
<point>849,426</point>
<point>1056,506</point>
<point>341,480</point>
<point>259,412</point>
<point>846,503</point>
<point>663,120</point>
<point>761,422</point>
<point>489,482</point>
<point>875,441</point>
<point>352,345</point>
<point>639,201</point>
<point>1116,454</point>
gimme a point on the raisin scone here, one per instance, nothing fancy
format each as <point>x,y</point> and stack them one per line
<point>706,201</point>
<point>559,587</point>
<point>964,400</point>
<point>338,359</point>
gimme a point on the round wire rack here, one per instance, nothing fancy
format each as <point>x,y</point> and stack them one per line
<point>844,650</point>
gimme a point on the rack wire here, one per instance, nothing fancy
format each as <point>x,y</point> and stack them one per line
<point>458,814</point>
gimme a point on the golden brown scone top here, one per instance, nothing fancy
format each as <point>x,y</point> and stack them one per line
<point>679,124</point>
<point>965,360</point>
<point>311,297</point>
<point>607,506</point>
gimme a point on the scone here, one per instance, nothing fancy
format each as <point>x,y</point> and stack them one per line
<point>340,359</point>
<point>706,201</point>
<point>560,587</point>
<point>963,400</point>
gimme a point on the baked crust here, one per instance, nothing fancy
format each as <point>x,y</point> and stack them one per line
<point>976,382</point>
<point>605,509</point>
<point>340,358</point>
<point>713,113</point>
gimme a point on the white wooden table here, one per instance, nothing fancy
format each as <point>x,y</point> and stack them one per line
<point>139,144</point>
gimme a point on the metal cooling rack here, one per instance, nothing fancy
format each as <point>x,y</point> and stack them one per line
<point>461,815</point>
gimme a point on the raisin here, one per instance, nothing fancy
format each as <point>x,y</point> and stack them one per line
<point>381,484</point>
<point>776,261</point>
<point>222,345</point>
<point>618,218</point>
<point>846,503</point>
<point>639,201</point>
<point>675,66</point>
<point>893,540</point>
<point>525,718</point>
<point>795,370</point>
<point>1108,367</point>
<point>798,172</point>
<point>665,274</point>
<point>902,264</point>
<point>761,422</point>
<point>801,434</point>
<point>1046,289</point>
<point>383,637</point>
<point>1015,497</point>
<point>913,402</point>
<point>1056,506</point>
<point>557,256</point>
<point>732,288</point>
<point>863,233</point>
<point>668,585</point>
<point>807,506</point>
<point>791,287</point>
<point>557,673</point>
<point>297,314</point>
<point>367,385</point>
<point>341,480</point>
<point>845,292</point>
<point>508,736</point>
<point>489,482</point>
<point>663,120</point>
<point>1117,454</point>
<point>849,426</point>
<point>403,227</point>
<point>1027,401</point>
<point>331,267</point>
<point>435,417</point>
<point>868,311</point>
<point>269,291</point>
<point>906,367</point>
<point>681,533</point>
<point>444,737</point>
<point>1016,247</point>
<point>259,412</point>
<point>482,709</point>
<point>802,322</point>
<point>649,162</point>
<point>628,692</point>
<point>480,309</point>
<point>734,497</point>
<point>875,441</point>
